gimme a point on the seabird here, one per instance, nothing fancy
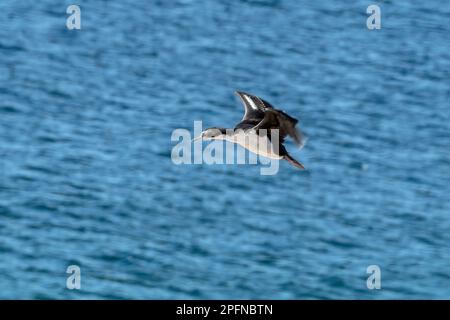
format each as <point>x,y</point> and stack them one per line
<point>255,131</point>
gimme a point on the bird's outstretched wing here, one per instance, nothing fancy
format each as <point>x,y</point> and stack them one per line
<point>277,119</point>
<point>260,114</point>
<point>254,108</point>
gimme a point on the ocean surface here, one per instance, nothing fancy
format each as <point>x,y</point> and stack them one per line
<point>86,176</point>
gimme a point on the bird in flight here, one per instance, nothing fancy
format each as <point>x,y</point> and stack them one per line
<point>262,130</point>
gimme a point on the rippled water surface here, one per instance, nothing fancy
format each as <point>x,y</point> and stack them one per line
<point>86,177</point>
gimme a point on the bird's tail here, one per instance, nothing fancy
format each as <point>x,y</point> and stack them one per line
<point>294,162</point>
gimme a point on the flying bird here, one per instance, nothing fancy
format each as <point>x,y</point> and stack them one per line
<point>262,130</point>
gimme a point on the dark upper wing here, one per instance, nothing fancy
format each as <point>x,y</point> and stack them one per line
<point>277,119</point>
<point>260,114</point>
<point>254,107</point>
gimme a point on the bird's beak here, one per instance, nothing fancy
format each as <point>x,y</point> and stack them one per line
<point>197,138</point>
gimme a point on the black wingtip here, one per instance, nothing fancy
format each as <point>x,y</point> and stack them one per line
<point>243,93</point>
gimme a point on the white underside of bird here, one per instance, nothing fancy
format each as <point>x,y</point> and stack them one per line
<point>259,144</point>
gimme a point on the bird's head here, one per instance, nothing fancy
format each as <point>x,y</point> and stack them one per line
<point>212,134</point>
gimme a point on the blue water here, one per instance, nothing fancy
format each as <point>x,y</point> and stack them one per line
<point>86,177</point>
